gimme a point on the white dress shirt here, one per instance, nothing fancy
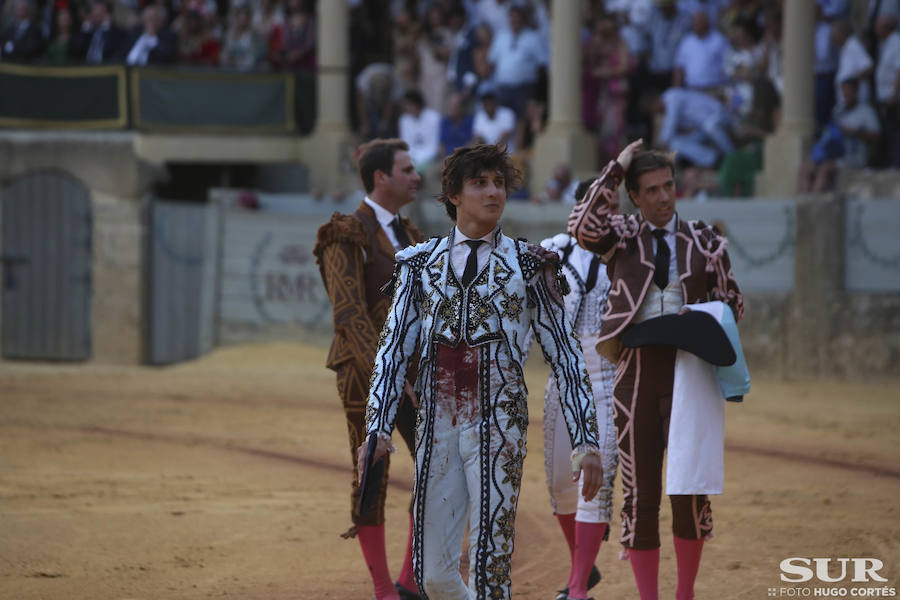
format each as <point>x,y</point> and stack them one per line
<point>667,301</point>
<point>422,133</point>
<point>459,253</point>
<point>853,60</point>
<point>384,217</point>
<point>703,59</point>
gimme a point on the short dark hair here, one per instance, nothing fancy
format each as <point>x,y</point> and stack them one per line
<point>582,188</point>
<point>468,162</point>
<point>378,155</point>
<point>416,97</point>
<point>644,162</point>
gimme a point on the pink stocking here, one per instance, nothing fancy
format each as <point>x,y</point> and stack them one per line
<point>588,537</point>
<point>371,539</point>
<point>687,555</point>
<point>645,566</point>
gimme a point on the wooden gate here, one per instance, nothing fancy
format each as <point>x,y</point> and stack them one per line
<point>46,254</point>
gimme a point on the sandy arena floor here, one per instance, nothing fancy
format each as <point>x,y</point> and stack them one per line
<point>228,477</point>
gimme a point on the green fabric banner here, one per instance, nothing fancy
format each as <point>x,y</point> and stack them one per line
<point>63,97</point>
<point>212,101</point>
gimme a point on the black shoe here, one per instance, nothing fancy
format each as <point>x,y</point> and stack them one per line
<point>406,594</point>
<point>593,579</point>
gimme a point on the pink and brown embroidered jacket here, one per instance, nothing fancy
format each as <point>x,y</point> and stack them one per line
<point>626,245</point>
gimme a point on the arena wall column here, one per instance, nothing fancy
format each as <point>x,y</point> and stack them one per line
<point>564,140</point>
<point>327,150</point>
<point>786,149</point>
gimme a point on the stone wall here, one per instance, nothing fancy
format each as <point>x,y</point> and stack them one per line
<point>117,181</point>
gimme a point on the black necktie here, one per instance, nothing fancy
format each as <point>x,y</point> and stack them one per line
<point>592,274</point>
<point>402,238</point>
<point>471,263</point>
<point>663,255</point>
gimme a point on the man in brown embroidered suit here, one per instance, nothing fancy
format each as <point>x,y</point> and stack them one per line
<point>657,263</point>
<point>355,254</point>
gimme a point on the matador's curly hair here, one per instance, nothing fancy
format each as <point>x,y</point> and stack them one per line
<point>469,162</point>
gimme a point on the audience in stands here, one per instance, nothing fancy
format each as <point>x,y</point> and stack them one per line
<point>700,59</point>
<point>516,56</point>
<point>153,43</point>
<point>100,39</point>
<point>605,67</point>
<point>699,76</point>
<point>60,48</point>
<point>844,142</point>
<point>887,84</point>
<point>22,40</point>
<point>244,49</point>
<point>456,125</point>
<point>420,127</point>
<point>494,124</point>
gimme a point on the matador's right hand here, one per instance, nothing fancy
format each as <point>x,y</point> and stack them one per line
<point>627,154</point>
<point>382,448</point>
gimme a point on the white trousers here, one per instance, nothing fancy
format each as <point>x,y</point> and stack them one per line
<point>565,495</point>
<point>469,455</point>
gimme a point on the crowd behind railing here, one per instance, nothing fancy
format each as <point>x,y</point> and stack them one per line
<point>699,77</point>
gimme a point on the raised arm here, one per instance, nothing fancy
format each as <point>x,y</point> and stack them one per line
<point>590,222</point>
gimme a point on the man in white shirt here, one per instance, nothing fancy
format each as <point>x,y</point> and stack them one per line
<point>155,44</point>
<point>887,83</point>
<point>853,60</point>
<point>516,55</point>
<point>696,126</point>
<point>700,61</point>
<point>494,124</point>
<point>420,127</point>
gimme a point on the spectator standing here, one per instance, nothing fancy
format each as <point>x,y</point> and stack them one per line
<point>516,55</point>
<point>605,86</point>
<point>22,40</point>
<point>826,59</point>
<point>298,45</point>
<point>100,39</point>
<point>887,83</point>
<point>700,60</point>
<point>456,125</point>
<point>494,124</point>
<point>433,49</point>
<point>853,60</point>
<point>268,24</point>
<point>196,46</point>
<point>59,50</point>
<point>420,127</point>
<point>665,30</point>
<point>743,64</point>
<point>460,67</point>
<point>377,92</point>
<point>244,49</point>
<point>493,13</point>
<point>152,44</point>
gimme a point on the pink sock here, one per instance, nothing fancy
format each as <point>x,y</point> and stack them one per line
<point>645,566</point>
<point>407,578</point>
<point>588,537</point>
<point>567,523</point>
<point>687,555</point>
<point>371,539</point>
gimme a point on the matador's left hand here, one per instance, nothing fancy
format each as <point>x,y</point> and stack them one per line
<point>592,468</point>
